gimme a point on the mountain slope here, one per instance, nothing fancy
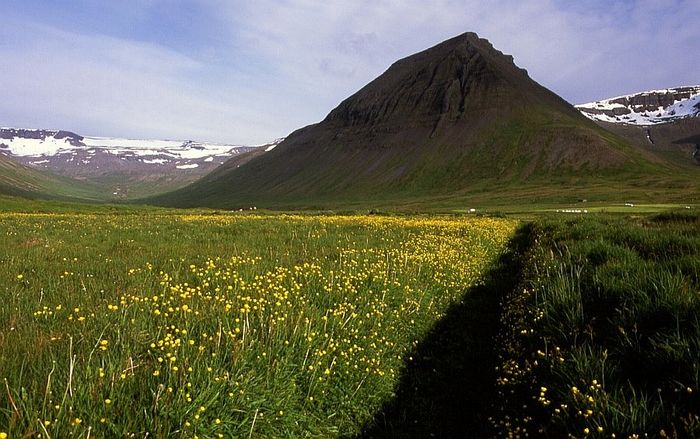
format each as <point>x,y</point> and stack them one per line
<point>19,180</point>
<point>677,141</point>
<point>456,118</point>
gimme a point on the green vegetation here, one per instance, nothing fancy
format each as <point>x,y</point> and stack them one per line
<point>531,156</point>
<point>24,181</point>
<point>186,324</point>
<point>603,335</point>
<point>124,320</point>
<point>21,181</point>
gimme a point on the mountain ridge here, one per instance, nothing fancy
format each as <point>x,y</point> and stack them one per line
<point>664,122</point>
<point>645,108</point>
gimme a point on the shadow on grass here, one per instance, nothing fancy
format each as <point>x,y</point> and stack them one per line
<point>447,390</point>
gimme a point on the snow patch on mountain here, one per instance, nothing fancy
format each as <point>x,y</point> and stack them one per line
<point>46,143</point>
<point>155,161</point>
<point>23,147</point>
<point>646,108</point>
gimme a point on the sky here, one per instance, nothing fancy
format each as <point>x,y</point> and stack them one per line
<point>247,72</point>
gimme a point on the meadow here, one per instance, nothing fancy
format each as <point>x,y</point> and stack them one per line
<point>134,323</point>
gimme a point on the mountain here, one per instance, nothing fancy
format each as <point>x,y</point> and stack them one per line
<point>459,121</point>
<point>124,168</point>
<point>646,108</point>
<point>664,122</point>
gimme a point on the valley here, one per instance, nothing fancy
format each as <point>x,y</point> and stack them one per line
<point>453,251</point>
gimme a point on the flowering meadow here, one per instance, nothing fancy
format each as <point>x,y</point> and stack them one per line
<point>180,324</point>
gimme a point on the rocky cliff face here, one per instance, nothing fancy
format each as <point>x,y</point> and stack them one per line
<point>646,108</point>
<point>664,122</point>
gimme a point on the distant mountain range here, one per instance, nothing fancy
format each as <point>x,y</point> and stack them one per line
<point>458,122</point>
<point>125,168</point>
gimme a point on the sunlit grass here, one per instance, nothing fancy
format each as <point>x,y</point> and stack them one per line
<point>210,325</point>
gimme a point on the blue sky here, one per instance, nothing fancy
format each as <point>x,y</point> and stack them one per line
<point>250,71</point>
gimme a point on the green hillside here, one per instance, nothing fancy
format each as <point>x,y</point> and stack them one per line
<point>521,161</point>
<point>22,181</point>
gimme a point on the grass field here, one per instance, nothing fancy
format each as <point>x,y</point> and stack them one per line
<point>125,321</point>
<point>181,324</point>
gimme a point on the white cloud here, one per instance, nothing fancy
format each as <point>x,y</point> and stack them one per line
<point>105,86</point>
<point>581,51</point>
<point>281,64</point>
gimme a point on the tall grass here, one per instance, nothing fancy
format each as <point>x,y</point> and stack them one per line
<point>604,337</point>
<point>142,323</point>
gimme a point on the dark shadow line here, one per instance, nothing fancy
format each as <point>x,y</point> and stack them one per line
<point>447,390</point>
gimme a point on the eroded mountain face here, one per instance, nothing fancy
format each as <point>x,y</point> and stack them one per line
<point>665,122</point>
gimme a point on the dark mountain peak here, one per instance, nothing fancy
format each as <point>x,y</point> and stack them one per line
<point>462,47</point>
<point>72,138</point>
<point>464,75</point>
